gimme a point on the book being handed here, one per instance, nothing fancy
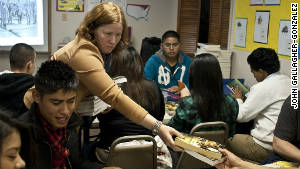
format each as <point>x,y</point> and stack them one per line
<point>201,148</point>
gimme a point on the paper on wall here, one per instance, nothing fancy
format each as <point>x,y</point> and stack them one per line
<point>138,11</point>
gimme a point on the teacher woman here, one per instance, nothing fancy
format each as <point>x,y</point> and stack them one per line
<point>103,32</point>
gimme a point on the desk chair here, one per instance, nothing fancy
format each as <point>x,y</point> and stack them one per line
<point>218,135</point>
<point>85,129</point>
<point>133,156</point>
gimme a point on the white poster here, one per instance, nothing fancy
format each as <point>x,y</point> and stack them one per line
<point>261,27</point>
<point>240,32</point>
<point>92,3</point>
<point>21,22</point>
<point>138,11</point>
<point>272,2</point>
<point>256,2</point>
<point>284,38</point>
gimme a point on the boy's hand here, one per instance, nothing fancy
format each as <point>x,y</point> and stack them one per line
<point>238,94</point>
<point>230,161</point>
<point>184,92</point>
<point>174,89</point>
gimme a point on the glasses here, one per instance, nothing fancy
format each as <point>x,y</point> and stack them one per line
<point>168,45</point>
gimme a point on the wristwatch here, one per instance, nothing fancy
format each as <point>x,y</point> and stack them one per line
<point>156,127</point>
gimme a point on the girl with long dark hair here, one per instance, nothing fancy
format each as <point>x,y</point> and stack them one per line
<point>207,101</point>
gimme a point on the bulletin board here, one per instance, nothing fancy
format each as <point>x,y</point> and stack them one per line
<point>277,14</point>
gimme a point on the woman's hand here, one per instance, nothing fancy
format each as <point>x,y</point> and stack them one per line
<point>166,133</point>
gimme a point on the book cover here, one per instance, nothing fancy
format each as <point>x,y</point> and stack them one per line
<point>229,84</point>
<point>171,96</point>
<point>236,83</point>
<point>282,164</point>
<point>202,146</point>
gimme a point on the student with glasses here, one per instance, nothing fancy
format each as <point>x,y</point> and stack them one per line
<point>169,64</point>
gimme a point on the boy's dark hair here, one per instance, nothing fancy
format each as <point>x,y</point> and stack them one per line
<point>170,33</point>
<point>265,59</point>
<point>149,47</point>
<point>20,54</point>
<point>55,75</point>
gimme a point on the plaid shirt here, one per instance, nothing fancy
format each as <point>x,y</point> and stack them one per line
<point>187,115</point>
<point>56,139</point>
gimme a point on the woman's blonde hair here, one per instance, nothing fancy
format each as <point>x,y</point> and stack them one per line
<point>103,14</point>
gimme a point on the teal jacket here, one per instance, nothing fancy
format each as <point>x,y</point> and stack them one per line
<point>159,71</point>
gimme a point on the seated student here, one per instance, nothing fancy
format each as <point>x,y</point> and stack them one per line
<point>14,139</point>
<point>144,92</point>
<point>286,141</point>
<point>263,104</point>
<point>53,121</point>
<point>207,101</point>
<point>14,83</point>
<point>169,64</point>
<point>149,47</point>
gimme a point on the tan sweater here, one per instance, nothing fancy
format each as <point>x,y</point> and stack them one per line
<point>84,57</point>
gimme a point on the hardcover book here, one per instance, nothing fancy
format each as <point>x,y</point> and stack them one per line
<point>230,84</point>
<point>201,148</point>
<point>207,160</point>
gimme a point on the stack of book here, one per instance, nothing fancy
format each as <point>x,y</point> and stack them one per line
<point>225,62</point>
<point>93,105</point>
<point>224,56</point>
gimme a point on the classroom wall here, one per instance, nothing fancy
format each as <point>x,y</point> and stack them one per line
<point>162,16</point>
<point>240,67</point>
